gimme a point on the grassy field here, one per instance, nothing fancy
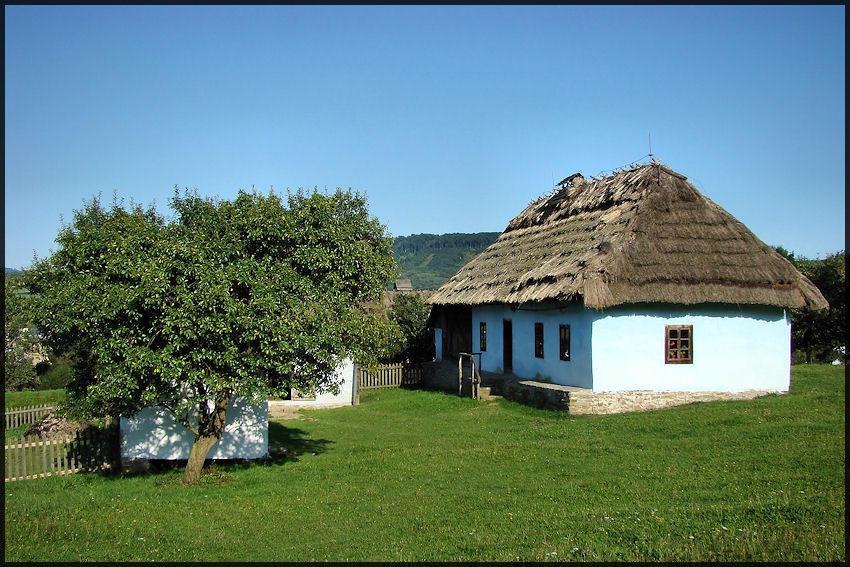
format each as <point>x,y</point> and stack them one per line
<point>427,476</point>
<point>13,400</point>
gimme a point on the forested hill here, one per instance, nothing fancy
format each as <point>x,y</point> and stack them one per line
<point>428,260</point>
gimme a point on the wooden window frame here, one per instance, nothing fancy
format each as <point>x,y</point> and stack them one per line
<point>482,336</point>
<point>678,349</point>
<point>538,340</point>
<point>564,342</point>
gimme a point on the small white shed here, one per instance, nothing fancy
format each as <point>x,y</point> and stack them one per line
<point>347,395</point>
<point>153,433</point>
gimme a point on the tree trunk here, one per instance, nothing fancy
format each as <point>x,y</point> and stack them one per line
<point>210,427</point>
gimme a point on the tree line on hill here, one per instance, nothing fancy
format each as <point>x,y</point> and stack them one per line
<point>429,260</point>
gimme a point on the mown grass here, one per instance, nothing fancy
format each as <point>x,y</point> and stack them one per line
<point>427,476</point>
<point>12,400</point>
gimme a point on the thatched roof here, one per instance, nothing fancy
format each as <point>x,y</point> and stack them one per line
<point>644,235</point>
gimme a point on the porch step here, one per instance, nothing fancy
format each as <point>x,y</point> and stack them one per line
<point>489,392</point>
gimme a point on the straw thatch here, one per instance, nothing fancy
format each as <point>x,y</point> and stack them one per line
<point>644,235</point>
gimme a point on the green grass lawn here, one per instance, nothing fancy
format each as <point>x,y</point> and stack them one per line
<point>12,400</point>
<point>427,476</point>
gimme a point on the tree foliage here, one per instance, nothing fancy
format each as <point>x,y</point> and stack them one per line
<point>818,334</point>
<point>430,259</point>
<point>248,298</point>
<point>18,370</point>
<point>411,313</point>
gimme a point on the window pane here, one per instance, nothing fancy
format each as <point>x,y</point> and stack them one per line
<point>564,332</point>
<point>679,343</point>
<point>538,340</point>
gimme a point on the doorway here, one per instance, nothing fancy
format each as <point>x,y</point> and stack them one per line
<point>507,345</point>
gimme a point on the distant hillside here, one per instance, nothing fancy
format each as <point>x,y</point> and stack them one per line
<point>12,271</point>
<point>428,260</point>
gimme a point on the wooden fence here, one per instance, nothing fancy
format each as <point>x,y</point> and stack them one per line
<point>33,457</point>
<point>389,376</point>
<point>25,415</point>
<point>91,449</point>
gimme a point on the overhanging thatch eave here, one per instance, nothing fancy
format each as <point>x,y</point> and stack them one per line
<point>784,296</point>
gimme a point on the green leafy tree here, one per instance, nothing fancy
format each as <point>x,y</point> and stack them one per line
<point>248,298</point>
<point>411,313</point>
<point>818,334</point>
<point>18,370</point>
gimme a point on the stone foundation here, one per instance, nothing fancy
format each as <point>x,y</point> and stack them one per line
<point>582,401</point>
<point>574,400</point>
<point>539,394</point>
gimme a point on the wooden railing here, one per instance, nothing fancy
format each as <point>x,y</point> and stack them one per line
<point>88,450</point>
<point>474,376</point>
<point>25,415</point>
<point>389,376</point>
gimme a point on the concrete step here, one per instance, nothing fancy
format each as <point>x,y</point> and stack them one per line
<point>484,392</point>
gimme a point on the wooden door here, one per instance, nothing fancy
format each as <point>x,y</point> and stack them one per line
<point>507,345</point>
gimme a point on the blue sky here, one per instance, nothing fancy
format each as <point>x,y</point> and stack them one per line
<point>449,119</point>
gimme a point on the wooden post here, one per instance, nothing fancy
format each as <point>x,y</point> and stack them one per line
<point>24,458</point>
<point>43,458</point>
<point>53,458</point>
<point>473,381</point>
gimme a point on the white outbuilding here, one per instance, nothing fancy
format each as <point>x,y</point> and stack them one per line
<point>154,434</point>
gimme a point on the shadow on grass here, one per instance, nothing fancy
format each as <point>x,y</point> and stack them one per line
<point>296,442</point>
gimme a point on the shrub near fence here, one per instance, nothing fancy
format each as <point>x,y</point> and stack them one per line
<point>389,376</point>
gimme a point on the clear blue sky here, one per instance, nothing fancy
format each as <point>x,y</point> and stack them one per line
<point>449,119</point>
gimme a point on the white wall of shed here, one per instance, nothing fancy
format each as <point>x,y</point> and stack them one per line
<point>153,433</point>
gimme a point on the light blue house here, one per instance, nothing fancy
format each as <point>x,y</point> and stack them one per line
<point>633,282</point>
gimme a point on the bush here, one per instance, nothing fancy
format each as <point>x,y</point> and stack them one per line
<point>55,377</point>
